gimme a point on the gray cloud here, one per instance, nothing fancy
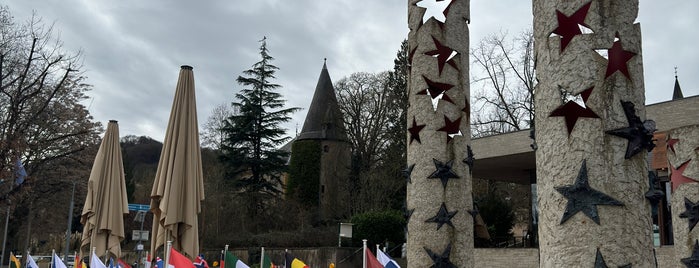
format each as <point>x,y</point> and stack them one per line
<point>133,49</point>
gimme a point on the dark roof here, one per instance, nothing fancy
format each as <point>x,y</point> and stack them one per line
<point>677,93</point>
<point>324,118</point>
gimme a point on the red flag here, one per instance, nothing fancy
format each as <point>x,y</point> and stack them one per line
<point>123,264</point>
<point>371,261</point>
<point>179,261</point>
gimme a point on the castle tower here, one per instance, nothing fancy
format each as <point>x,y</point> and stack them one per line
<point>321,155</point>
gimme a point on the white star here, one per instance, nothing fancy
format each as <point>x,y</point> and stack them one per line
<point>435,8</point>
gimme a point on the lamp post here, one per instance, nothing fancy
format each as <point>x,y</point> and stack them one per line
<point>140,217</point>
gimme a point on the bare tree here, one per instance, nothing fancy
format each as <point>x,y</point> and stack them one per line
<point>213,134</point>
<point>504,83</point>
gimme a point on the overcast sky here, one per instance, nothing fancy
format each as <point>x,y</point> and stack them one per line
<point>133,49</point>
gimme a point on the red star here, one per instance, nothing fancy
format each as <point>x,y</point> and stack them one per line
<point>671,144</point>
<point>618,58</point>
<point>443,54</point>
<point>435,90</point>
<point>573,111</point>
<point>451,128</point>
<point>568,26</point>
<point>415,131</point>
<point>676,176</point>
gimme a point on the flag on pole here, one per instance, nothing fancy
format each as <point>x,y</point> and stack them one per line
<point>200,262</point>
<point>178,260</point>
<point>14,262</point>
<point>95,261</point>
<point>233,261</point>
<point>147,264</point>
<point>266,262</point>
<point>158,263</point>
<point>222,259</point>
<point>122,264</point>
<point>30,262</point>
<point>57,262</point>
<point>20,172</point>
<point>79,263</point>
<point>111,263</point>
<point>371,261</point>
<point>293,262</point>
<point>385,260</point>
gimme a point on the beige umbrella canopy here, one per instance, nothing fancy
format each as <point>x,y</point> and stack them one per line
<point>106,203</point>
<point>178,187</point>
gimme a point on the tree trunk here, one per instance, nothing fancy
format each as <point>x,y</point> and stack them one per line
<point>430,236</point>
<point>570,153</point>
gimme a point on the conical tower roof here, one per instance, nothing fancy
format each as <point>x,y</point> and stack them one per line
<point>324,118</point>
<point>677,92</point>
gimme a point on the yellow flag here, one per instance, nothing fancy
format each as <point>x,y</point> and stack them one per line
<point>14,262</point>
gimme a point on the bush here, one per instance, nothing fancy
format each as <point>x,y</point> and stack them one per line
<point>379,227</point>
<point>498,216</point>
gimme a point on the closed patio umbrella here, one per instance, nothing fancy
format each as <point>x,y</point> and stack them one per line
<point>178,187</point>
<point>106,203</point>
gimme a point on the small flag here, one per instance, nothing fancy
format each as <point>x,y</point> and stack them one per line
<point>222,260</point>
<point>14,262</point>
<point>200,262</point>
<point>79,263</point>
<point>30,262</point>
<point>111,263</point>
<point>95,262</point>
<point>57,262</point>
<point>122,264</point>
<point>385,260</point>
<point>266,262</point>
<point>158,263</point>
<point>233,260</point>
<point>20,172</point>
<point>178,260</point>
<point>147,264</point>
<point>292,262</point>
<point>371,261</point>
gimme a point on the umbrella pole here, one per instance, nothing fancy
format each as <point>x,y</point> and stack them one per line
<point>167,253</point>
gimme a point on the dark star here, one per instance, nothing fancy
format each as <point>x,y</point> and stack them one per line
<point>451,128</point>
<point>444,55</point>
<point>407,214</point>
<point>467,108</point>
<point>582,198</point>
<point>443,216</point>
<point>440,261</point>
<point>691,213</point>
<point>436,91</point>
<point>671,144</point>
<point>415,131</point>
<point>639,134</point>
<point>474,212</point>
<point>654,195</point>
<point>443,172</point>
<point>469,158</point>
<point>676,177</point>
<point>568,27</point>
<point>618,58</point>
<point>600,263</point>
<point>407,172</point>
<point>693,261</point>
<point>572,111</point>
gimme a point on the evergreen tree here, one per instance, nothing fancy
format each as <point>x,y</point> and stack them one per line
<point>253,135</point>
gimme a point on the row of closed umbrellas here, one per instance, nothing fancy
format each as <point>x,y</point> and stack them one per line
<point>178,188</point>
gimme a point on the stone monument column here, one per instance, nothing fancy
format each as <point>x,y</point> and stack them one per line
<point>683,163</point>
<point>440,227</point>
<point>592,135</point>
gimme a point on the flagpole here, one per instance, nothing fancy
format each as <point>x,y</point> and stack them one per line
<point>167,254</point>
<point>262,258</point>
<point>286,265</point>
<point>53,255</point>
<point>225,252</point>
<point>4,240</point>
<point>70,223</point>
<point>364,253</point>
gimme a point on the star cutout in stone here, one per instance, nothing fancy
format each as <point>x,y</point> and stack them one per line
<point>569,26</point>
<point>693,261</point>
<point>437,91</point>
<point>444,55</point>
<point>618,59</point>
<point>451,128</point>
<point>474,212</point>
<point>407,214</point>
<point>671,144</point>
<point>600,263</point>
<point>407,172</point>
<point>443,172</point>
<point>415,131</point>
<point>582,198</point>
<point>469,158</point>
<point>440,261</point>
<point>443,216</point>
<point>639,134</point>
<point>654,195</point>
<point>572,111</point>
<point>691,213</point>
<point>437,9</point>
<point>676,177</point>
<point>467,108</point>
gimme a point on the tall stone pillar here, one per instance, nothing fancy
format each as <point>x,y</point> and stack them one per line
<point>440,228</point>
<point>683,160</point>
<point>591,135</point>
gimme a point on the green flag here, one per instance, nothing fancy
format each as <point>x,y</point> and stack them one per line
<point>266,262</point>
<point>232,261</point>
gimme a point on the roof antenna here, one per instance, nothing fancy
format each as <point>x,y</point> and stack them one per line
<point>675,72</point>
<point>297,129</point>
